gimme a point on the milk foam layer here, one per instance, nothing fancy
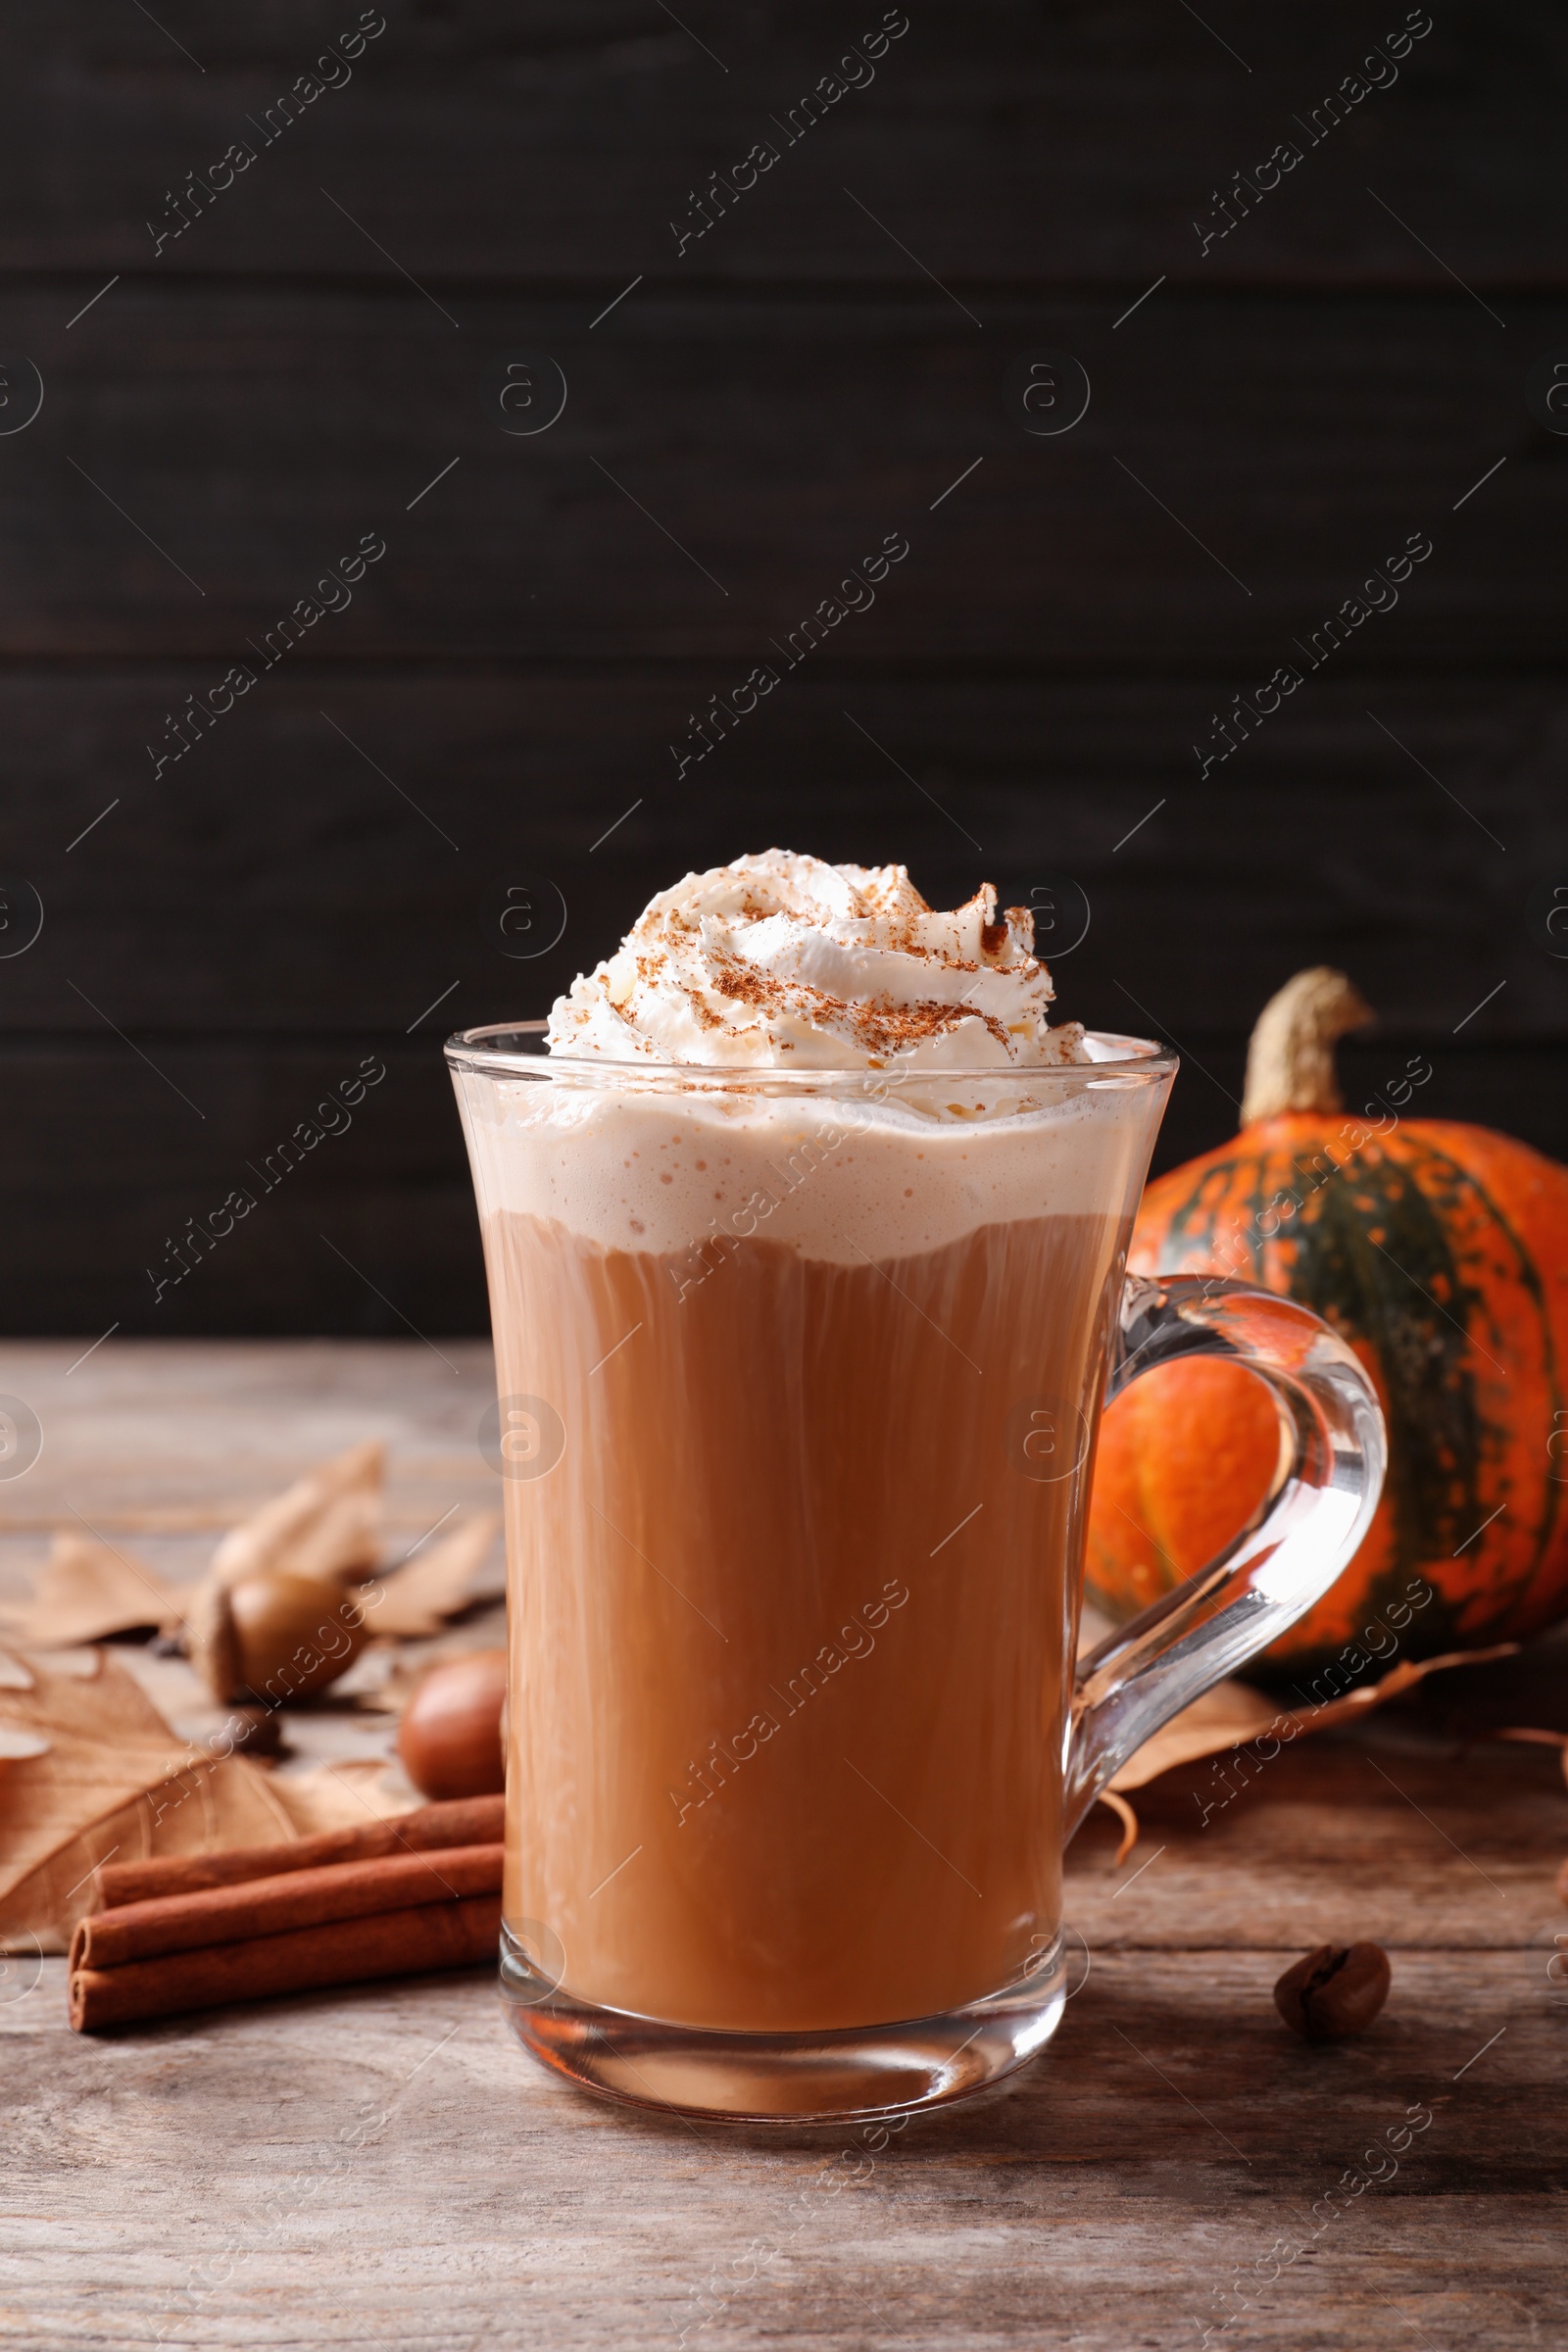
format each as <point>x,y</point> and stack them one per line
<point>783,964</point>
<point>838,1179</point>
<point>795,964</point>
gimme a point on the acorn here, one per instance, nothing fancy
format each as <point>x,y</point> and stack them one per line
<point>251,1732</point>
<point>451,1740</point>
<point>274,1637</point>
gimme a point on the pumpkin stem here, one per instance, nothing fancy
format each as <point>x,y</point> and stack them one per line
<point>1290,1063</point>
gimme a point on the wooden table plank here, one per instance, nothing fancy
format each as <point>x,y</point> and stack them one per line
<point>384,2167</point>
<point>303,893</point>
<point>311,906</point>
<point>1172,2136</point>
<point>147,1436</point>
<point>1383,1833</point>
<point>520,145</point>
<point>794,437</point>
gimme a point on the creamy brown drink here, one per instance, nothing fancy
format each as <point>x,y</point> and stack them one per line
<point>804,1233</point>
<point>795,1759</point>
<point>805,1385</point>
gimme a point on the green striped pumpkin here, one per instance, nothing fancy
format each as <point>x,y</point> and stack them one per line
<point>1439,1251</point>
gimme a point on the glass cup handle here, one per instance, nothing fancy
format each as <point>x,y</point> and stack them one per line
<point>1320,1500</point>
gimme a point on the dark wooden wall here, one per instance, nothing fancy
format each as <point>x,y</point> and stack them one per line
<point>247,923</point>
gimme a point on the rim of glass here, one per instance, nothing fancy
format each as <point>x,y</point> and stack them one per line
<point>516,1049</point>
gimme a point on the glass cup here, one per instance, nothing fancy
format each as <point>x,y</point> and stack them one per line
<point>799,1375</point>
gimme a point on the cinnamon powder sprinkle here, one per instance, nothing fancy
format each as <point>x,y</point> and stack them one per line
<point>879,1029</point>
<point>876,1028</point>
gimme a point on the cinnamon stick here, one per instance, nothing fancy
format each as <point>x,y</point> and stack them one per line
<point>273,1906</point>
<point>462,1821</point>
<point>389,1944</point>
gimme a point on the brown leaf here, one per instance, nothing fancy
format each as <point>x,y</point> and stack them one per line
<point>114,1778</point>
<point>1232,1713</point>
<point>1222,1718</point>
<point>15,1744</point>
<point>328,1524</point>
<point>342,1797</point>
<point>1402,1678</point>
<point>416,1598</point>
<point>396,1684</point>
<point>1128,1819</point>
<point>85,1590</point>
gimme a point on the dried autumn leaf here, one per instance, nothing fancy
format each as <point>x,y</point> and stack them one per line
<point>341,1797</point>
<point>395,1686</point>
<point>1232,1713</point>
<point>328,1524</point>
<point>15,1744</point>
<point>1367,1695</point>
<point>418,1597</point>
<point>1128,1819</point>
<point>85,1590</point>
<point>114,1779</point>
<point>1222,1718</point>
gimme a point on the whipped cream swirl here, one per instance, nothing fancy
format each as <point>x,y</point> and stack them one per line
<point>787,961</point>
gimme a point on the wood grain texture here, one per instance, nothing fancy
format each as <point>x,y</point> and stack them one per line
<point>224,417</point>
<point>275,912</point>
<point>393,1195</point>
<point>196,1435</point>
<point>1243,468</point>
<point>230,2180</point>
<point>538,143</point>
<point>292,888</point>
<point>384,2167</point>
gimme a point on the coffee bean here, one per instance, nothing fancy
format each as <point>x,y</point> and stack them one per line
<point>1335,1991</point>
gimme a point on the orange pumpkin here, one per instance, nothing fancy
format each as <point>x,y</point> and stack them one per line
<point>1439,1251</point>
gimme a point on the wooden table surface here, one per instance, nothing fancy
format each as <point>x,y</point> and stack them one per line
<point>385,2168</point>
